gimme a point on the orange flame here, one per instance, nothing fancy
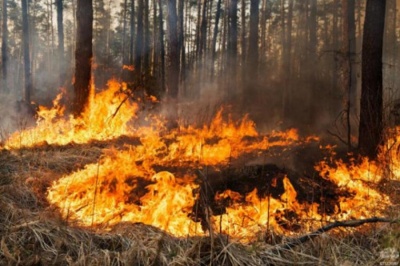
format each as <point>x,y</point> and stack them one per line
<point>124,184</point>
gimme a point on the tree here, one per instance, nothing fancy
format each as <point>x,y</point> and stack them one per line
<point>173,54</point>
<point>27,61</point>
<point>60,30</point>
<point>139,38</point>
<point>162,47</point>
<point>83,55</point>
<point>232,46</point>
<point>371,106</point>
<point>4,48</point>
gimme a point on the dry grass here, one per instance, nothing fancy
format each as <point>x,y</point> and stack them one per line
<point>32,233</point>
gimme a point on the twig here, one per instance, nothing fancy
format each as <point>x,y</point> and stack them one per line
<point>352,223</point>
<point>338,137</point>
<point>120,105</point>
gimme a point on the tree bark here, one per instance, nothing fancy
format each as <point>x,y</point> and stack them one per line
<point>215,34</point>
<point>132,30</point>
<point>287,62</point>
<point>371,107</point>
<point>173,53</point>
<point>232,47</point>
<point>27,61</point>
<point>124,11</point>
<point>139,39</point>
<point>60,31</point>
<point>182,50</point>
<point>4,48</point>
<point>83,55</point>
<point>346,67</point>
<point>162,47</point>
<point>253,39</point>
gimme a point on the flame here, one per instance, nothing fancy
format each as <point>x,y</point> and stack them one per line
<point>104,119</point>
<point>125,185</point>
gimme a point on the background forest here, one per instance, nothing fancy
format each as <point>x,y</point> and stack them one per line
<point>282,61</point>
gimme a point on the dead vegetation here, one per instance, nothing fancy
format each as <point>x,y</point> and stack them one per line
<point>33,233</point>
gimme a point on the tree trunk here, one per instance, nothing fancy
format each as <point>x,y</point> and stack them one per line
<point>182,51</point>
<point>312,60</point>
<point>232,48</point>
<point>243,41</point>
<point>353,60</point>
<point>173,54</point>
<point>60,31</point>
<point>83,55</point>
<point>162,47</point>
<point>132,30</point>
<point>371,107</point>
<point>4,48</point>
<point>346,67</point>
<point>139,39</point>
<point>27,61</point>
<point>253,39</point>
<point>124,11</point>
<point>146,40</point>
<point>214,40</point>
<point>287,61</point>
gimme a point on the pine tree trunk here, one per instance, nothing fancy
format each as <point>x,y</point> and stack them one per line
<point>346,67</point>
<point>124,11</point>
<point>4,48</point>
<point>353,60</point>
<point>60,31</point>
<point>182,51</point>
<point>232,48</point>
<point>83,55</point>
<point>253,39</point>
<point>133,35</point>
<point>287,61</point>
<point>146,40</point>
<point>371,108</point>
<point>173,53</point>
<point>162,47</point>
<point>215,35</point>
<point>139,39</point>
<point>27,61</point>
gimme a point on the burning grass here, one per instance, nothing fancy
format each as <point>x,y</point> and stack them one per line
<point>104,189</point>
<point>32,231</point>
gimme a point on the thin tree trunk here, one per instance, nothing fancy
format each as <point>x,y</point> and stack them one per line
<point>287,63</point>
<point>263,23</point>
<point>232,47</point>
<point>371,108</point>
<point>243,36</point>
<point>124,11</point>
<point>156,48</point>
<point>346,66</point>
<point>214,39</point>
<point>60,31</point>
<point>83,55</point>
<point>312,61</point>
<point>27,61</point>
<point>146,40</point>
<point>132,30</point>
<point>352,55</point>
<point>182,44</point>
<point>162,47</point>
<point>4,48</point>
<point>252,66</point>
<point>139,39</point>
<point>173,54</point>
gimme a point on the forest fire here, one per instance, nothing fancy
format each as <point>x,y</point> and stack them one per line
<point>168,178</point>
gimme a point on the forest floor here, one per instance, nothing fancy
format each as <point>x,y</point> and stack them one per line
<point>33,233</point>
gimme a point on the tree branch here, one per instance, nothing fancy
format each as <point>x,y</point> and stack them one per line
<point>352,223</point>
